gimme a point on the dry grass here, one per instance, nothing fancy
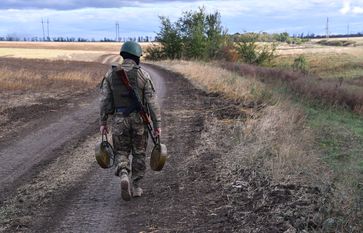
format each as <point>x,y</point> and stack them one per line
<point>327,65</point>
<point>325,61</point>
<point>314,48</point>
<point>331,92</point>
<point>216,79</point>
<point>277,137</point>
<point>282,143</point>
<point>51,54</point>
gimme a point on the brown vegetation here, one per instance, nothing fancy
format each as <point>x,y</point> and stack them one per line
<point>216,79</point>
<point>270,120</point>
<point>332,92</point>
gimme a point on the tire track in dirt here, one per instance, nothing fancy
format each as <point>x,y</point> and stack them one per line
<point>109,58</point>
<point>18,158</point>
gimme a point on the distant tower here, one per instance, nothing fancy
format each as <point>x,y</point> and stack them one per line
<point>327,28</point>
<point>117,31</point>
<point>43,29</point>
<point>48,29</point>
<point>348,29</point>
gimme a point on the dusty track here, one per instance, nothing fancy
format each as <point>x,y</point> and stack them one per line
<point>61,188</point>
<point>25,159</point>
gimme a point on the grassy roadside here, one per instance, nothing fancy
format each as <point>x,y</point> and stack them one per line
<point>339,135</point>
<point>293,141</point>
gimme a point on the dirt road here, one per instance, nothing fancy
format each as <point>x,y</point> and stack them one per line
<point>89,201</point>
<point>50,181</point>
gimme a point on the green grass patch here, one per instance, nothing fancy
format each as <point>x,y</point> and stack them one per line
<point>340,136</point>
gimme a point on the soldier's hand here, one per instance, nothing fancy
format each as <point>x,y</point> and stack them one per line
<point>157,132</point>
<point>103,129</point>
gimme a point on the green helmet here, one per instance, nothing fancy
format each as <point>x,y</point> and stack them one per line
<point>104,154</point>
<point>131,47</point>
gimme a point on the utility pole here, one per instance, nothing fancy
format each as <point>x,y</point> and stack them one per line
<point>327,27</point>
<point>43,29</point>
<point>117,31</point>
<point>48,38</point>
<point>348,30</point>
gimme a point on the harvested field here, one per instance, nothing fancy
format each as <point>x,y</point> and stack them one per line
<point>31,88</point>
<point>85,46</point>
<point>76,51</point>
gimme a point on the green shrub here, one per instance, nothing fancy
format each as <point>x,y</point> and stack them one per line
<point>301,64</point>
<point>250,53</point>
<point>155,53</point>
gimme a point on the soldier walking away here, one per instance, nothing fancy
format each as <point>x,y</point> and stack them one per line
<point>129,133</point>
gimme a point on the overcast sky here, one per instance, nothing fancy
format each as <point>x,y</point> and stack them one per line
<point>97,18</point>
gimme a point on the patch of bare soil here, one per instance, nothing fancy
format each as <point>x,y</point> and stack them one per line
<point>193,193</point>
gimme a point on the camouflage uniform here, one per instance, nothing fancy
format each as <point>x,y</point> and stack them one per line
<point>129,133</point>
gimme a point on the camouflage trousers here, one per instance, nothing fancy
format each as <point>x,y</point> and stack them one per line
<point>129,136</point>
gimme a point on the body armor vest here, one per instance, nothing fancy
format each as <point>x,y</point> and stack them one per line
<point>121,96</point>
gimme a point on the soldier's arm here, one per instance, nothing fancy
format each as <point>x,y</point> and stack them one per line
<point>106,99</point>
<point>152,102</point>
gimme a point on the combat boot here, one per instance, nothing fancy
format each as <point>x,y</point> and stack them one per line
<point>125,186</point>
<point>136,191</point>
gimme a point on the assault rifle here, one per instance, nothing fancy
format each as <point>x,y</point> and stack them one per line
<point>140,108</point>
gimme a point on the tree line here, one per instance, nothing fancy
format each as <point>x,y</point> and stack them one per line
<point>200,36</point>
<point>75,39</point>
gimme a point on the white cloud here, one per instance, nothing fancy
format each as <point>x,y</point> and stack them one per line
<point>141,17</point>
<point>357,10</point>
<point>350,6</point>
<point>346,7</point>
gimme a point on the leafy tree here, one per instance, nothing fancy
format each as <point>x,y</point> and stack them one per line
<point>215,34</point>
<point>195,35</point>
<point>170,38</point>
